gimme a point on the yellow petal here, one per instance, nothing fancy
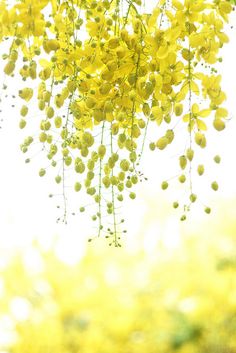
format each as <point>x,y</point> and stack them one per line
<point>186,118</point>
<point>195,108</point>
<point>221,113</point>
<point>45,63</point>
<point>177,4</point>
<point>201,125</point>
<point>204,113</point>
<point>195,88</point>
<point>153,18</point>
<point>162,52</point>
<point>156,111</point>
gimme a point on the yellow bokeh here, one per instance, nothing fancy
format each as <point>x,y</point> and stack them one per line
<point>182,299</point>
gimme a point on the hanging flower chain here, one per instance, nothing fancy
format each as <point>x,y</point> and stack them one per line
<point>104,73</point>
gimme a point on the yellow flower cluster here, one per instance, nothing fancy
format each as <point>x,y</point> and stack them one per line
<point>106,72</point>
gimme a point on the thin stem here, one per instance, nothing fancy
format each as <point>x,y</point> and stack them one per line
<point>113,199</point>
<point>64,192</point>
<point>100,186</point>
<point>190,112</point>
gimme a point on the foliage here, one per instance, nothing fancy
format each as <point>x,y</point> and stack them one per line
<point>106,72</point>
<point>180,301</point>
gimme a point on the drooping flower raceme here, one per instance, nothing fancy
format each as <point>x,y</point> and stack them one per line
<point>106,72</point>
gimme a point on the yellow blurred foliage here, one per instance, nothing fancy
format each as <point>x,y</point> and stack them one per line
<point>183,300</point>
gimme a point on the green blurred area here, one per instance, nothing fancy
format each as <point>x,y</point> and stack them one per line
<point>181,299</point>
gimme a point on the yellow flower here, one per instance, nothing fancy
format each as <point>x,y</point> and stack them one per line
<point>193,117</point>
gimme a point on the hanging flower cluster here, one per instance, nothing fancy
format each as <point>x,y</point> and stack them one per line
<point>107,71</point>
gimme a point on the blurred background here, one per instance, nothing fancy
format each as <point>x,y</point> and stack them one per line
<point>170,288</point>
<point>174,290</point>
